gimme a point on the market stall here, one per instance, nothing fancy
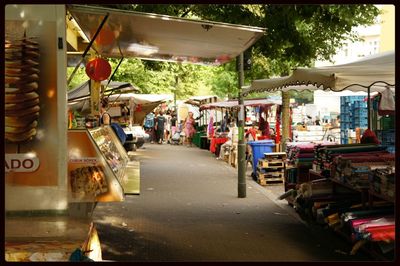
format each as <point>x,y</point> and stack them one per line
<point>217,139</point>
<point>201,117</point>
<point>337,185</point>
<point>56,174</point>
<point>79,97</point>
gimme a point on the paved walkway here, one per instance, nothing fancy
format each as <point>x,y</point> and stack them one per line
<point>188,210</point>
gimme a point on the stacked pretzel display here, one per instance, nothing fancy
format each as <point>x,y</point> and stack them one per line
<point>21,85</point>
<point>89,180</point>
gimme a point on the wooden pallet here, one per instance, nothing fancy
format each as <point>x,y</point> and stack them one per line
<point>270,170</point>
<point>275,156</point>
<point>263,163</point>
<point>270,181</point>
<point>269,175</point>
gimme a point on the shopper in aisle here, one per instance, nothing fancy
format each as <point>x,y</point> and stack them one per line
<point>173,123</point>
<point>159,127</point>
<point>189,129</point>
<point>228,144</point>
<point>149,126</point>
<point>105,118</point>
<point>167,131</point>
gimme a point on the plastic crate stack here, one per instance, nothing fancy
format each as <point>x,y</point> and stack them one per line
<point>353,114</point>
<point>360,114</point>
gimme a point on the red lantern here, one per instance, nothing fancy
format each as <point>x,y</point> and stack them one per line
<point>98,69</point>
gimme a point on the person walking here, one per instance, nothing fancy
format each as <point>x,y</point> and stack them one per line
<point>105,118</point>
<point>149,126</point>
<point>189,129</point>
<point>173,124</point>
<point>167,133</point>
<point>159,127</point>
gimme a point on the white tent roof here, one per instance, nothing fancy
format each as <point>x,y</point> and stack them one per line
<point>377,70</point>
<point>142,98</point>
<point>234,103</point>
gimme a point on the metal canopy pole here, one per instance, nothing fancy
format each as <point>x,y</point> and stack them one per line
<point>368,107</point>
<point>241,145</point>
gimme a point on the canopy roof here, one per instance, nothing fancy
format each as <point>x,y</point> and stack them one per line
<point>234,103</point>
<point>142,98</point>
<point>84,89</point>
<point>199,100</point>
<point>144,103</point>
<point>375,71</point>
<point>161,37</point>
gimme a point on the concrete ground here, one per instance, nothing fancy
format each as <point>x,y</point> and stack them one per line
<point>188,210</point>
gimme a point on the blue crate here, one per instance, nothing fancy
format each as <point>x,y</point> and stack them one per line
<point>359,121</point>
<point>345,125</point>
<point>360,110</point>
<point>345,119</point>
<point>360,104</point>
<point>360,124</point>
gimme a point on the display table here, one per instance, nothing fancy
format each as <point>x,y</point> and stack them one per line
<point>215,141</point>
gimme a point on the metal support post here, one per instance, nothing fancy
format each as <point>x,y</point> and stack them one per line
<point>369,107</point>
<point>285,119</point>
<point>241,145</point>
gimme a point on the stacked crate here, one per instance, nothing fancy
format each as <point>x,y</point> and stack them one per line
<point>353,114</point>
<point>271,168</point>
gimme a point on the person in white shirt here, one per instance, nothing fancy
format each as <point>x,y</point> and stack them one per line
<point>228,143</point>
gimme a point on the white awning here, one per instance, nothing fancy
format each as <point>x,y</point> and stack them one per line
<point>235,103</point>
<point>161,37</point>
<point>142,98</point>
<point>356,76</point>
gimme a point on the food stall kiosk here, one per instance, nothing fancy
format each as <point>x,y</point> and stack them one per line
<point>54,176</point>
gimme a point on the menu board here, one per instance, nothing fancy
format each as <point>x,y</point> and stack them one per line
<point>112,150</point>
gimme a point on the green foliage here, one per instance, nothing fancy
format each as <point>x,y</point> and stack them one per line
<point>79,77</point>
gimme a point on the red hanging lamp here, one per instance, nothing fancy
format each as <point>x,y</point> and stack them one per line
<point>98,69</point>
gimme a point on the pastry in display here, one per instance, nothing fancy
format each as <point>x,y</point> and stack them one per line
<point>88,180</point>
<point>21,85</point>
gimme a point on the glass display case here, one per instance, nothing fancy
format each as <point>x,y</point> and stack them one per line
<point>112,150</point>
<point>96,165</point>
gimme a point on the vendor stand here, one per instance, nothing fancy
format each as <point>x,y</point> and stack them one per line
<point>233,105</point>
<point>339,183</point>
<point>45,162</point>
<point>200,137</point>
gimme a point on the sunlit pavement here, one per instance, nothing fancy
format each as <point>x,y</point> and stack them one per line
<point>189,210</point>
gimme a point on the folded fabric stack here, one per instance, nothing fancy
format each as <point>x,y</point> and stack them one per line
<point>376,225</point>
<point>300,153</point>
<point>325,154</point>
<point>383,182</point>
<point>356,169</point>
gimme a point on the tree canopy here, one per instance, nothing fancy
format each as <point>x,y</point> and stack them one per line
<point>296,35</point>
